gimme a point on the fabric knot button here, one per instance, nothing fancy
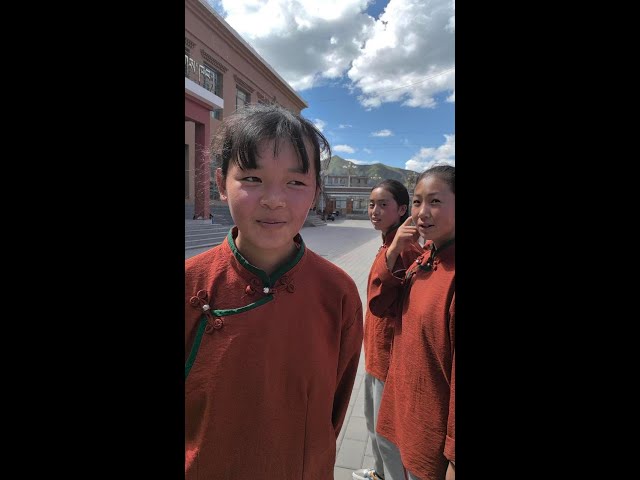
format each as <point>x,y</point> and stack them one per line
<point>218,323</point>
<point>265,290</point>
<point>249,290</point>
<point>205,307</point>
<point>291,288</point>
<point>202,294</point>
<point>208,328</point>
<point>194,301</point>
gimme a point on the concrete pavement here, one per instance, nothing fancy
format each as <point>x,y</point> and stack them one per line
<point>351,245</point>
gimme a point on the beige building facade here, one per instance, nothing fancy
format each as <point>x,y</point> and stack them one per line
<point>222,73</point>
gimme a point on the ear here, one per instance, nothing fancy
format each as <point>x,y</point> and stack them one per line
<point>222,188</point>
<point>402,210</point>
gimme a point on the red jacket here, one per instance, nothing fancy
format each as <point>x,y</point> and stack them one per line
<point>378,330</point>
<point>268,376</point>
<point>417,410</point>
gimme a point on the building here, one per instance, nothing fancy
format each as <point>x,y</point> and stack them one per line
<point>222,73</point>
<point>349,194</point>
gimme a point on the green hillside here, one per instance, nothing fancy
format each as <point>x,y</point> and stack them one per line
<point>340,166</point>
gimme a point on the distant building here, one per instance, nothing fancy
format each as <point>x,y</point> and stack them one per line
<point>222,73</point>
<point>349,194</point>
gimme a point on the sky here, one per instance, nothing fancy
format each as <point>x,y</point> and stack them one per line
<point>378,75</point>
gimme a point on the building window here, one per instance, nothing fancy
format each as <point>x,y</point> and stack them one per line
<point>242,98</point>
<point>217,114</point>
<point>212,80</point>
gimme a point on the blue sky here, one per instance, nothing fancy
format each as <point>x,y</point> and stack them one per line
<point>379,76</point>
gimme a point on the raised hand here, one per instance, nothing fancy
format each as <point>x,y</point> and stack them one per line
<point>407,232</point>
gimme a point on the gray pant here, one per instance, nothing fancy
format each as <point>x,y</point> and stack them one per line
<point>385,454</point>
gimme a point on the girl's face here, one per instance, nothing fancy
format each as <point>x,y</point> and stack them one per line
<point>384,211</point>
<point>434,210</point>
<point>269,204</point>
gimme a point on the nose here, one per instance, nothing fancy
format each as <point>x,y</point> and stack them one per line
<point>273,197</point>
<point>424,211</point>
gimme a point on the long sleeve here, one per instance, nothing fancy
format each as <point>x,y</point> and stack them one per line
<point>450,442</point>
<point>385,287</point>
<point>350,347</point>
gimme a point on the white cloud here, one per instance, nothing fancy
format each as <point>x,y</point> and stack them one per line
<point>345,126</point>
<point>409,58</point>
<point>343,148</point>
<point>366,150</point>
<point>305,41</point>
<point>382,133</point>
<point>320,124</point>
<point>427,157</point>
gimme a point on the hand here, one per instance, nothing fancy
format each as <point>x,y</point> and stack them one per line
<point>451,472</point>
<point>407,232</point>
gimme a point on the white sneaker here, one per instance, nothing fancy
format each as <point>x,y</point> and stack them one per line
<point>366,474</point>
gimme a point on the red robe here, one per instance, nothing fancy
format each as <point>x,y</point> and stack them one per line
<point>378,330</point>
<point>417,410</point>
<point>268,376</point>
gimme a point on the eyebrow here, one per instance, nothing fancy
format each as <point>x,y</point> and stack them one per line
<point>292,170</point>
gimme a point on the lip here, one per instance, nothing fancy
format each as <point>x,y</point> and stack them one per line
<point>271,223</point>
<point>424,226</point>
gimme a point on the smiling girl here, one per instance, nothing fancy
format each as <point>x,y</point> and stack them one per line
<point>269,361</point>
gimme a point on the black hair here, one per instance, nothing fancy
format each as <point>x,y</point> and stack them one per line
<point>240,134</point>
<point>446,173</point>
<point>399,192</point>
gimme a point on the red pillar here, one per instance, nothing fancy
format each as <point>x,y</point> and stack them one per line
<point>198,113</point>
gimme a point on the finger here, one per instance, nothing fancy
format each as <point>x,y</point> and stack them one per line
<point>408,222</point>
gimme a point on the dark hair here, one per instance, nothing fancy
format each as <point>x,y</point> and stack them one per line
<point>446,173</point>
<point>399,192</point>
<point>240,134</point>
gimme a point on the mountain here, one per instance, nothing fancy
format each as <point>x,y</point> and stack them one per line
<point>377,172</point>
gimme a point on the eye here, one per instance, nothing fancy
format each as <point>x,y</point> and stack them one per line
<point>416,202</point>
<point>251,179</point>
<point>371,205</point>
<point>297,183</point>
<point>435,200</point>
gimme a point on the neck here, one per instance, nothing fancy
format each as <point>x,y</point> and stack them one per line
<point>266,260</point>
<point>443,244</point>
<point>390,229</point>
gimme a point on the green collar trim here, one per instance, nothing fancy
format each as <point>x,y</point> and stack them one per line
<point>284,268</point>
<point>234,311</point>
<point>203,324</point>
<point>195,347</point>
